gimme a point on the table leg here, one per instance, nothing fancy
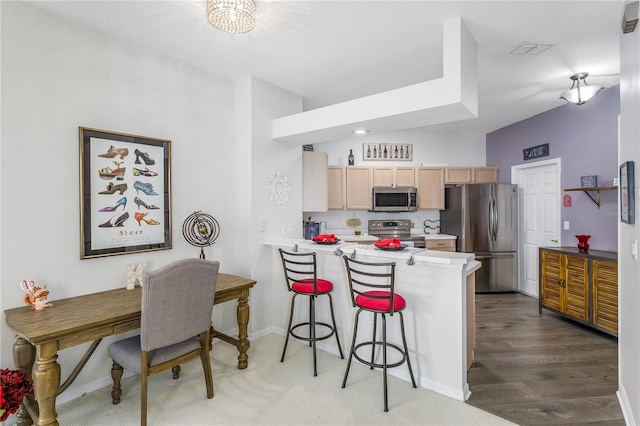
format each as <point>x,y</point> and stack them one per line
<point>46,383</point>
<point>24,355</point>
<point>243,336</point>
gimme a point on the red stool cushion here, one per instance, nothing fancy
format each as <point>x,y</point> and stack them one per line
<point>380,304</point>
<point>306,286</point>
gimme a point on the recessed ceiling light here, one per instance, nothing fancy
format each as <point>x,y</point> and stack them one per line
<point>360,131</point>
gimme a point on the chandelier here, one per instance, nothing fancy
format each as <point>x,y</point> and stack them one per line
<point>232,16</point>
<point>580,91</point>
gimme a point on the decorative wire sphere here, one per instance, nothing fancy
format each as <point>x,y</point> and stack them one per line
<point>200,230</point>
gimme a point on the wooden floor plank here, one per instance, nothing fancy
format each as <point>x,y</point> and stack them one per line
<point>541,369</point>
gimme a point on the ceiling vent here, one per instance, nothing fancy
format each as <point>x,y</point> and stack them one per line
<point>630,18</point>
<point>530,49</point>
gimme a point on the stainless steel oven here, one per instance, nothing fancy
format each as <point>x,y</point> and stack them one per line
<point>395,228</point>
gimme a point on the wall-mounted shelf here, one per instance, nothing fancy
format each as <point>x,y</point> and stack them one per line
<point>593,193</point>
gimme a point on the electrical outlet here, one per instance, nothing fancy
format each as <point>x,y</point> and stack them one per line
<point>285,229</point>
<point>263,226</point>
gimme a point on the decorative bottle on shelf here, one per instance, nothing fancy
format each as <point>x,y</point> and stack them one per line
<point>396,152</point>
<point>369,151</point>
<point>375,152</point>
<point>401,152</point>
<point>385,151</point>
<point>351,157</point>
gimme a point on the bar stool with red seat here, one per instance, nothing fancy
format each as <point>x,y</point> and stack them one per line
<point>300,273</point>
<point>372,288</point>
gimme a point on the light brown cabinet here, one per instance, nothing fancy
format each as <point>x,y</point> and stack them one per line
<point>430,184</point>
<point>394,176</point>
<point>581,286</point>
<point>314,181</point>
<point>441,244</point>
<point>605,294</point>
<point>471,175</point>
<point>336,186</point>
<point>358,187</point>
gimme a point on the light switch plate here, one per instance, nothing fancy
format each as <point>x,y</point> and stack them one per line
<point>634,249</point>
<point>566,225</point>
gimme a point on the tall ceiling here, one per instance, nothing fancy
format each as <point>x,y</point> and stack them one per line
<point>334,51</point>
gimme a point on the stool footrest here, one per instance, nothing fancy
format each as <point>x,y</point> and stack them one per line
<point>309,339</point>
<point>375,364</point>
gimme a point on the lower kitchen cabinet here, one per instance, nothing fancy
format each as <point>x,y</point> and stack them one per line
<point>441,244</point>
<point>580,286</point>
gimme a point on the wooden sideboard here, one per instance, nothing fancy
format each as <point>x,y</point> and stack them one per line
<point>580,286</point>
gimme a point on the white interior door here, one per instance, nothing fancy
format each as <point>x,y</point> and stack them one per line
<point>539,216</point>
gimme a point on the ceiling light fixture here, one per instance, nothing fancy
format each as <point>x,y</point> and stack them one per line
<point>580,91</point>
<point>232,16</point>
<point>361,131</point>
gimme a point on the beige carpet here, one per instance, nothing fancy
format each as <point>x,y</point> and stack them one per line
<point>273,393</point>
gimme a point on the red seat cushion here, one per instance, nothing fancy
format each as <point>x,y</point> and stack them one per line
<point>306,286</point>
<point>380,304</point>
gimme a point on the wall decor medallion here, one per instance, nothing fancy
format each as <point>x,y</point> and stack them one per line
<point>278,188</point>
<point>125,193</point>
<point>387,152</point>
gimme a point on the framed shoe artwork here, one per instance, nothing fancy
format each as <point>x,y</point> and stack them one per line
<point>125,193</point>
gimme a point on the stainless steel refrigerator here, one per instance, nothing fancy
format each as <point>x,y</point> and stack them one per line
<point>484,217</point>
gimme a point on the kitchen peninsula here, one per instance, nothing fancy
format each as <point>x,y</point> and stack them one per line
<point>439,320</point>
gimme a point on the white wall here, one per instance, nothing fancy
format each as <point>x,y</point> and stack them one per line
<point>629,268</point>
<point>58,75</point>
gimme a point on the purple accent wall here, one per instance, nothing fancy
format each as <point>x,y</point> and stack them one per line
<point>585,137</point>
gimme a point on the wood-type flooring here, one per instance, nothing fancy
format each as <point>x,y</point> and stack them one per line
<point>541,369</point>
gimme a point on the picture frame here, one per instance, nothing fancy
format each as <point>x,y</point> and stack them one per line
<point>125,193</point>
<point>627,190</point>
<point>387,152</point>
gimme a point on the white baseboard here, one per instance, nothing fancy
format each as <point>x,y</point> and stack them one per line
<point>624,405</point>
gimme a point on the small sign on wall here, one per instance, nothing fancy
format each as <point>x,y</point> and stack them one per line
<point>387,151</point>
<point>536,152</point>
<point>590,181</point>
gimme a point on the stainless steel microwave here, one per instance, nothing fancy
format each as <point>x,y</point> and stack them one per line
<point>399,199</point>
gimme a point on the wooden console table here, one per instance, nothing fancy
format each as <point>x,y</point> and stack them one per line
<point>91,317</point>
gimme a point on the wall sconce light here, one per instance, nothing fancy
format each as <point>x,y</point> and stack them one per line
<point>580,91</point>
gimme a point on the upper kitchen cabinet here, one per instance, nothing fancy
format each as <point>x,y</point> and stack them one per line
<point>359,183</point>
<point>394,176</point>
<point>471,175</point>
<point>430,183</point>
<point>314,181</point>
<point>336,186</point>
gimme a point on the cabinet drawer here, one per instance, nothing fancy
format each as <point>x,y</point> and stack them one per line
<point>442,245</point>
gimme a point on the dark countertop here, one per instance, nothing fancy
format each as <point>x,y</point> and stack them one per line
<point>595,254</point>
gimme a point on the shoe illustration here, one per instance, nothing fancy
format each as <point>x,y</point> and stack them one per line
<point>108,173</point>
<point>121,202</point>
<point>112,189</point>
<point>145,157</point>
<point>140,217</point>
<point>145,172</point>
<point>112,152</point>
<point>145,187</point>
<point>115,223</point>
<point>139,202</point>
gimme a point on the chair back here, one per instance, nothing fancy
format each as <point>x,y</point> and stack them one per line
<point>177,301</point>
<point>371,280</point>
<point>298,267</point>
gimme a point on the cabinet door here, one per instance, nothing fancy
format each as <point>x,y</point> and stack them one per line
<point>605,295</point>
<point>405,176</point>
<point>335,188</point>
<point>314,181</point>
<point>485,174</point>
<point>430,183</point>
<point>383,176</point>
<point>576,276</point>
<point>550,280</point>
<point>359,183</point>
<point>458,175</point>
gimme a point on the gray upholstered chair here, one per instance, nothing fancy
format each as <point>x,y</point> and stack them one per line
<point>177,301</point>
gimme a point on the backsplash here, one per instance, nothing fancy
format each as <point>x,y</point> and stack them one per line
<point>337,219</point>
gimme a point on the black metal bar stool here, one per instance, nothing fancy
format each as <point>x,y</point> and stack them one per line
<point>372,289</point>
<point>300,273</point>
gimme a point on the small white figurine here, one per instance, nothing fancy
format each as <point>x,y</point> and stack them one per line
<point>36,297</point>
